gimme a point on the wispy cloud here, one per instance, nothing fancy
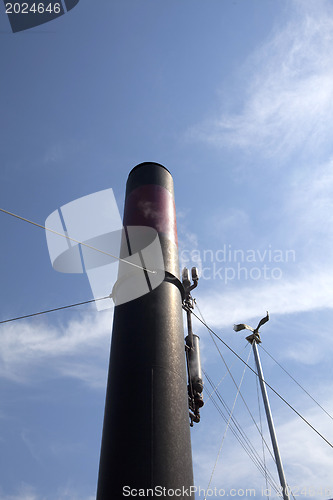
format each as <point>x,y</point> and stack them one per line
<point>28,492</point>
<point>24,492</point>
<point>313,291</point>
<point>302,226</point>
<point>187,242</point>
<point>76,349</point>
<point>289,88</point>
<point>307,459</point>
<point>308,203</point>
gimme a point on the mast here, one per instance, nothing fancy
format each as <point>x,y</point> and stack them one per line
<point>270,422</point>
<point>255,339</point>
<point>146,434</point>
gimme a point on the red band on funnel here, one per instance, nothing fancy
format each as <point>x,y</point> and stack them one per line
<point>152,205</point>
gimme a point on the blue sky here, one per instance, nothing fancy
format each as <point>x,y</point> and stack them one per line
<point>235,98</point>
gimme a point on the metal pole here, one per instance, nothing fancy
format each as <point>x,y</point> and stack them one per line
<point>189,328</point>
<point>146,433</point>
<point>282,478</point>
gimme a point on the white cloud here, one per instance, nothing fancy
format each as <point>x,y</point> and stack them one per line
<point>306,458</point>
<point>187,243</point>
<point>313,291</point>
<point>303,281</point>
<point>28,492</point>
<point>24,492</point>
<point>308,205</point>
<point>289,88</point>
<point>69,493</point>
<point>78,349</point>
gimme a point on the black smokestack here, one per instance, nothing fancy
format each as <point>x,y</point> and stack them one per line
<point>146,433</point>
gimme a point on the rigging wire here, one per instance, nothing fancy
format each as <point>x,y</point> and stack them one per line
<point>306,392</point>
<point>246,444</point>
<point>238,425</point>
<point>224,376</point>
<point>77,241</point>
<point>225,432</point>
<point>242,438</point>
<point>268,385</point>
<point>257,464</point>
<point>234,381</point>
<point>55,309</point>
